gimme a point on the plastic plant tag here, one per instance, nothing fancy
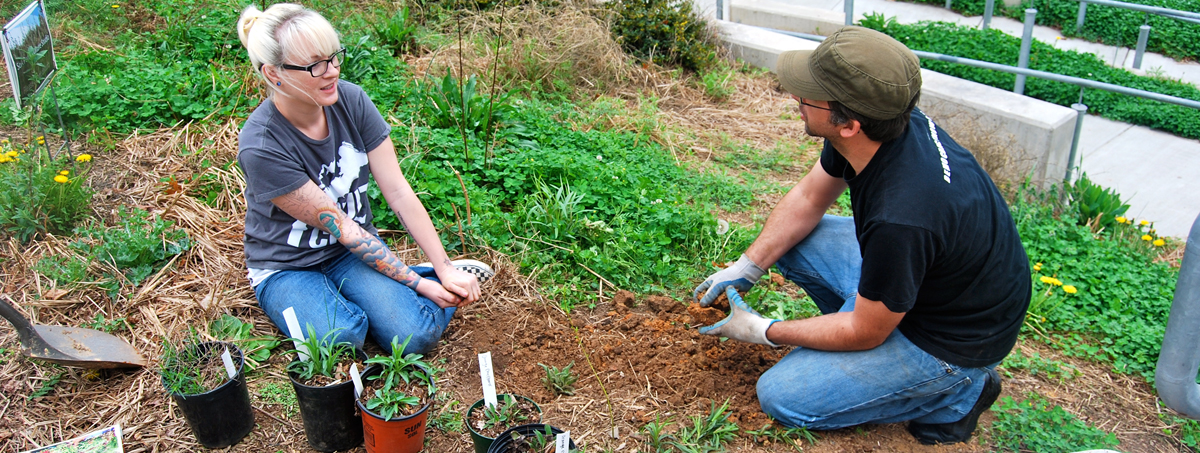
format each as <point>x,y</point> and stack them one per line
<point>562,442</point>
<point>293,325</point>
<point>228,361</point>
<point>357,380</point>
<point>489,379</point>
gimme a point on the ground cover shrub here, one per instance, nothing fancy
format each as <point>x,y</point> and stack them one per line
<point>666,32</point>
<point>997,47</point>
<point>1118,299</point>
<point>1033,425</point>
<point>137,247</point>
<point>1109,25</point>
<point>562,199</point>
<point>43,194</point>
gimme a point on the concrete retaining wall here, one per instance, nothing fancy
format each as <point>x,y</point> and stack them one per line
<point>1036,133</point>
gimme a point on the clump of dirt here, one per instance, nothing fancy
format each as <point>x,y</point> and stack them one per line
<point>712,314</point>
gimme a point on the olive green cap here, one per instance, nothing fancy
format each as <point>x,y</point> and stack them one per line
<point>865,70</point>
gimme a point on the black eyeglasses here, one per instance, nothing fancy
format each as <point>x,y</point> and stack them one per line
<point>320,67</point>
<point>815,106</point>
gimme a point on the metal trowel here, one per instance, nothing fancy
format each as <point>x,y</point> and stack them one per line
<point>70,346</point>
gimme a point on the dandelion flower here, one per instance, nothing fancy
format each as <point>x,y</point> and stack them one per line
<point>1147,237</point>
<point>83,158</point>
<point>1120,219</point>
<point>64,172</point>
<point>1055,282</point>
<point>115,6</point>
<point>1037,267</point>
<point>1045,279</point>
<point>61,179</point>
<point>1070,289</point>
<point>1159,242</point>
<point>1144,222</point>
<point>12,154</point>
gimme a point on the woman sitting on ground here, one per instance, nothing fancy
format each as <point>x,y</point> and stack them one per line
<point>308,152</point>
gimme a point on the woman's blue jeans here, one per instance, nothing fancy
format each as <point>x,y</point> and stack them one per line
<point>893,382</point>
<point>345,293</point>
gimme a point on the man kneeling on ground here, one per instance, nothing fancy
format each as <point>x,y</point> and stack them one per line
<point>923,290</point>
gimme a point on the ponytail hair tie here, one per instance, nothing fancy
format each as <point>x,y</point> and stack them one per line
<point>249,23</point>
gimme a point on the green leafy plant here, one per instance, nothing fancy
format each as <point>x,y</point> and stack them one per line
<point>667,32</point>
<point>1036,365</point>
<point>324,355</point>
<point>1033,425</point>
<point>45,195</point>
<point>399,370</point>
<point>396,31</point>
<point>506,412</point>
<point>448,419</point>
<point>450,104</point>
<point>64,270</point>
<point>192,371</point>
<point>656,435</point>
<point>256,348</point>
<point>47,385</point>
<point>280,395</point>
<point>138,246</point>
<point>1184,429</point>
<point>706,433</point>
<point>559,380</point>
<point>1097,206</point>
<point>772,432</point>
<point>717,81</point>
<point>99,322</point>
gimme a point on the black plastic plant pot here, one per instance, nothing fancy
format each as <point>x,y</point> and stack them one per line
<point>331,419</point>
<point>507,440</point>
<point>222,416</point>
<point>482,442</point>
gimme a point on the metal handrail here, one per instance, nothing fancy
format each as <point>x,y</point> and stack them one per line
<point>1167,12</point>
<point>1031,73</point>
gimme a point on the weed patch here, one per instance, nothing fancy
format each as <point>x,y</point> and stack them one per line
<point>1032,425</point>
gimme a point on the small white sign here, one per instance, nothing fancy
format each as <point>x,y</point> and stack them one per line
<point>489,380</point>
<point>293,325</point>
<point>357,380</point>
<point>228,360</point>
<point>562,443</point>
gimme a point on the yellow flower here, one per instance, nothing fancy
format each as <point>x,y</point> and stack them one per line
<point>1055,282</point>
<point>1045,279</point>
<point>64,172</point>
<point>12,154</point>
<point>1144,222</point>
<point>83,158</point>
<point>1070,289</point>
<point>61,179</point>
<point>5,158</point>
<point>115,6</point>
<point>1159,242</point>
<point>1120,219</point>
<point>1037,267</point>
<point>1147,237</point>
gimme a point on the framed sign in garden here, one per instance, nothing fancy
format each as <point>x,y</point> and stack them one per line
<point>29,52</point>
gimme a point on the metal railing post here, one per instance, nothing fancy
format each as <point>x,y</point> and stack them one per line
<point>1080,112</point>
<point>988,9</point>
<point>1026,43</point>
<point>720,9</point>
<point>948,3</point>
<point>1143,36</point>
<point>849,12</point>
<point>1082,15</point>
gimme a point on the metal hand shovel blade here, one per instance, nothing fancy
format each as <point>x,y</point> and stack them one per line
<point>71,346</point>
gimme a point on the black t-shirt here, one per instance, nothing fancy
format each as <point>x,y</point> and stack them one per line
<point>938,242</point>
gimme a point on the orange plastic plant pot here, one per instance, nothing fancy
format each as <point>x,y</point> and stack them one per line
<point>398,435</point>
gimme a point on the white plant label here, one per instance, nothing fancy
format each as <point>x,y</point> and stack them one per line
<point>562,442</point>
<point>489,379</point>
<point>228,361</point>
<point>293,325</point>
<point>357,380</point>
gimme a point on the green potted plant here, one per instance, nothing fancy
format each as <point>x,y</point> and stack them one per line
<point>531,438</point>
<point>325,392</point>
<point>215,404</point>
<point>395,401</point>
<point>487,422</point>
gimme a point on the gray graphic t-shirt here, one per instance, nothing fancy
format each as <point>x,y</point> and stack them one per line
<point>277,159</point>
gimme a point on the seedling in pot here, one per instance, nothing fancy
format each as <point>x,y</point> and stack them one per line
<point>190,370</point>
<point>324,356</point>
<point>508,413</point>
<point>535,443</point>
<point>400,370</point>
<point>559,380</point>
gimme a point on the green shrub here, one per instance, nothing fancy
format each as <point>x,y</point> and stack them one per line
<point>1104,24</point>
<point>1032,425</point>
<point>42,194</point>
<point>667,32</point>
<point>138,247</point>
<point>396,32</point>
<point>997,47</point>
<point>1095,205</point>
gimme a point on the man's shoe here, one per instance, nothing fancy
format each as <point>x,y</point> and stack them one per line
<point>959,431</point>
<point>481,271</point>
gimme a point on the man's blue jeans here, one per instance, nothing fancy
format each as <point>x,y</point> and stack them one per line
<point>345,293</point>
<point>893,382</point>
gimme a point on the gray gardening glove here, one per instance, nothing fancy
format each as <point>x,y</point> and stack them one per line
<point>741,275</point>
<point>742,324</point>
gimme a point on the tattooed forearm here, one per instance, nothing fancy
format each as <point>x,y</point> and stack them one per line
<point>329,219</point>
<point>376,254</point>
<point>402,222</point>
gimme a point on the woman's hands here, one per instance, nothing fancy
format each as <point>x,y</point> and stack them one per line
<point>437,293</point>
<point>458,288</point>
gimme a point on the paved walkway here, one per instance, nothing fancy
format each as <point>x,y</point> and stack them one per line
<point>1155,172</point>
